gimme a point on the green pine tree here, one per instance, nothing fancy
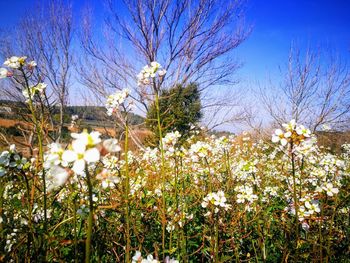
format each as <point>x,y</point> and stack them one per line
<point>180,108</point>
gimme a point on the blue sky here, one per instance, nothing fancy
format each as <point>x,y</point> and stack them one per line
<point>276,23</point>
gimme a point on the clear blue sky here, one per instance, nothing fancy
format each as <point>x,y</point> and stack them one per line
<point>276,23</point>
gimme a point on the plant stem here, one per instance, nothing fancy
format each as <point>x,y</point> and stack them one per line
<point>90,218</point>
<point>296,206</point>
<point>126,195</point>
<point>38,128</point>
<point>216,245</point>
<point>75,230</point>
<point>162,168</point>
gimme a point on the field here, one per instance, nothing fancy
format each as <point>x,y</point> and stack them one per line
<point>219,199</point>
<point>90,192</point>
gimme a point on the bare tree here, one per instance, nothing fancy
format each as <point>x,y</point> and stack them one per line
<point>45,34</point>
<point>315,91</point>
<point>193,40</point>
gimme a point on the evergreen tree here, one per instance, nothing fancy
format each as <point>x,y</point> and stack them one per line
<point>180,108</point>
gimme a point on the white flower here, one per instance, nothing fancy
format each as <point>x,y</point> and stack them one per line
<point>170,140</point>
<point>217,199</point>
<point>57,176</point>
<point>75,117</point>
<point>280,136</point>
<point>149,72</point>
<point>3,73</point>
<point>149,259</point>
<point>12,62</point>
<point>32,64</point>
<point>73,122</point>
<point>326,127</point>
<point>220,199</point>
<point>115,100</point>
<point>30,93</point>
<point>137,257</point>
<point>301,130</point>
<point>245,194</point>
<point>161,72</point>
<point>87,139</point>
<point>15,62</point>
<point>328,187</point>
<point>305,226</point>
<point>290,126</point>
<point>107,178</point>
<point>82,151</point>
<point>312,207</point>
<point>12,147</point>
<point>111,145</point>
<point>53,156</point>
<point>155,65</point>
<point>79,156</point>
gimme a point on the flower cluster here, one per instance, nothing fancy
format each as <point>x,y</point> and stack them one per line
<point>149,72</point>
<point>200,150</point>
<point>82,151</point>
<point>170,140</point>
<point>115,100</point>
<point>239,185</point>
<point>137,258</point>
<point>56,160</point>
<point>292,133</point>
<point>11,160</point>
<point>246,194</point>
<point>15,63</point>
<point>30,92</point>
<point>308,208</point>
<point>330,189</point>
<point>218,200</point>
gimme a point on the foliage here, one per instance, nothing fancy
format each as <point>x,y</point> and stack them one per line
<point>255,177</point>
<point>180,110</point>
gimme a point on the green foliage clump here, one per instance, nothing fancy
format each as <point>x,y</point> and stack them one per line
<point>179,107</point>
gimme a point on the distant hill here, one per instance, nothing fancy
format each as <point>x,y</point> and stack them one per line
<point>90,115</point>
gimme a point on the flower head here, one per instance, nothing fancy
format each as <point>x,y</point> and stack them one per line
<point>293,133</point>
<point>30,92</point>
<point>115,100</point>
<point>149,72</point>
<point>3,73</point>
<point>15,62</point>
<point>330,189</point>
<point>82,150</point>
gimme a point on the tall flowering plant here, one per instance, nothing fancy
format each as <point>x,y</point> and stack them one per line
<point>210,199</point>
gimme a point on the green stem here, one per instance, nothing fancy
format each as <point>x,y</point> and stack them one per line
<point>126,196</point>
<point>162,168</point>
<point>75,230</point>
<point>216,245</point>
<point>90,218</point>
<point>328,256</point>
<point>30,225</point>
<point>38,128</point>
<point>296,206</point>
